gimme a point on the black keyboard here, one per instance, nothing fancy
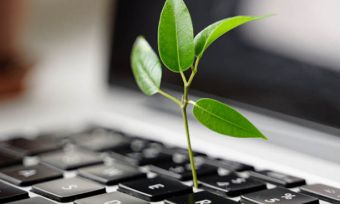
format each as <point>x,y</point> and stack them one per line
<point>104,166</point>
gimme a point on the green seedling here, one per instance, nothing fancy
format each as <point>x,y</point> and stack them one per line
<point>181,52</point>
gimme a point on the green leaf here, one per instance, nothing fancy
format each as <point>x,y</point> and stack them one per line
<point>146,67</point>
<point>223,119</point>
<point>211,33</point>
<point>176,36</point>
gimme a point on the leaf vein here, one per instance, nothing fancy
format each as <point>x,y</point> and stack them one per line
<point>220,118</point>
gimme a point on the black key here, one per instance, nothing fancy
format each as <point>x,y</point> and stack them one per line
<point>202,197</point>
<point>323,192</point>
<point>277,196</point>
<point>183,151</point>
<point>144,142</point>
<point>180,155</point>
<point>60,137</point>
<point>228,164</point>
<point>100,139</point>
<point>111,198</point>
<point>9,193</point>
<point>182,171</point>
<point>9,160</point>
<point>231,185</point>
<point>66,190</point>
<point>71,159</point>
<point>155,189</point>
<point>141,152</point>
<point>277,178</point>
<point>36,200</point>
<point>26,176</point>
<point>29,147</point>
<point>112,174</point>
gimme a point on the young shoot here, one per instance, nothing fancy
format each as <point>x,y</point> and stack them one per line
<point>180,52</point>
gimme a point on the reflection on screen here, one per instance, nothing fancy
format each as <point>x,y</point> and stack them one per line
<point>239,66</point>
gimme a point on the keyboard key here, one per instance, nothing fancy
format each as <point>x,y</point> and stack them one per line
<point>182,171</point>
<point>112,174</point>
<point>202,197</point>
<point>26,176</point>
<point>277,196</point>
<point>9,160</point>
<point>180,150</point>
<point>277,178</point>
<point>111,198</point>
<point>100,139</point>
<point>60,137</point>
<point>231,185</point>
<point>155,189</point>
<point>29,147</point>
<point>141,152</point>
<point>71,159</point>
<point>9,193</point>
<point>36,200</point>
<point>67,190</point>
<point>180,155</point>
<point>228,164</point>
<point>323,192</point>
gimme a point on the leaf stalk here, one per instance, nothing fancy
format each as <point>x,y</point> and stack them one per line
<point>194,71</point>
<point>185,82</point>
<point>170,97</point>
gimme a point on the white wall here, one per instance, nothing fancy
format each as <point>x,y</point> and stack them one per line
<point>68,40</point>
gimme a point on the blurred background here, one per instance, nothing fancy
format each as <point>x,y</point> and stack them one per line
<point>58,34</point>
<point>65,67</point>
<point>64,47</point>
<point>66,43</point>
<point>67,39</point>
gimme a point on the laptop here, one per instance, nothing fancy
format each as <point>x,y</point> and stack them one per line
<point>130,149</point>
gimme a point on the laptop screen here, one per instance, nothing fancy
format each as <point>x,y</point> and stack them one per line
<point>238,66</point>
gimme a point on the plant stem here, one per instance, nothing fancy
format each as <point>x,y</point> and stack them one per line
<point>172,98</point>
<point>184,79</point>
<point>194,71</point>
<point>192,162</point>
<point>183,104</point>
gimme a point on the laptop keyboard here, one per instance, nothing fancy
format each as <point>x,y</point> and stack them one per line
<point>104,166</point>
